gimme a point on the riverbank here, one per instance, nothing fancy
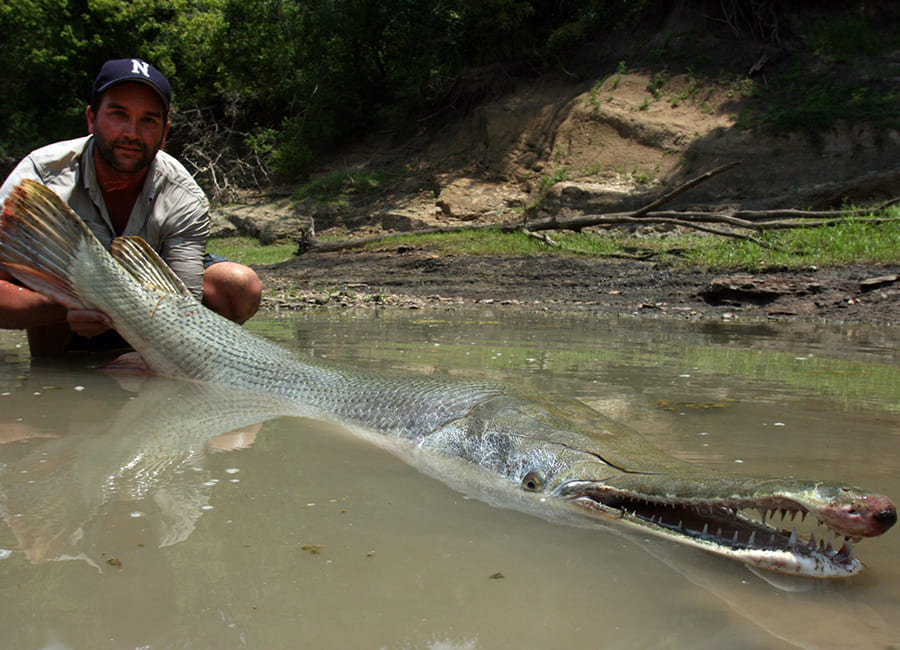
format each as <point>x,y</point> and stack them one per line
<point>420,280</point>
<point>612,141</point>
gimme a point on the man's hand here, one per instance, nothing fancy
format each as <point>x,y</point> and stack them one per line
<point>88,323</point>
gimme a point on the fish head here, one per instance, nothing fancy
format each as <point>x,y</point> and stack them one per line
<point>783,524</point>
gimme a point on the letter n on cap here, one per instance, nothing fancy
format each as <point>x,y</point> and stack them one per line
<point>140,67</point>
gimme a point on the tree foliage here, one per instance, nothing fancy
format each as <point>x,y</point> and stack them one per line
<point>287,77</point>
<point>283,80</point>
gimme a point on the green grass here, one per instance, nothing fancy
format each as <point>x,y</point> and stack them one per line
<point>854,241</point>
<point>843,86</point>
<point>248,250</point>
<point>844,40</point>
<point>839,76</point>
<point>814,104</point>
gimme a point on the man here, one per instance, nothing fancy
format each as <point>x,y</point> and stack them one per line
<point>120,183</point>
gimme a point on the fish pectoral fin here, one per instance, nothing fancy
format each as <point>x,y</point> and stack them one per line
<point>145,264</point>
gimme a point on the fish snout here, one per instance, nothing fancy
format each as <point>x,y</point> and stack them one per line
<point>887,517</point>
<point>862,516</point>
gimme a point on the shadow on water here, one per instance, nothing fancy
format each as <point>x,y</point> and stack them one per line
<point>147,512</point>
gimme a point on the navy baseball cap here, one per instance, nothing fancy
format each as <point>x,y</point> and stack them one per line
<point>120,70</point>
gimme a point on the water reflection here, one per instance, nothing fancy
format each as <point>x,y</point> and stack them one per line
<point>145,444</point>
<point>192,519</point>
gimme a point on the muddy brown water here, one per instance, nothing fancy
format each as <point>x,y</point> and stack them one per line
<point>132,519</point>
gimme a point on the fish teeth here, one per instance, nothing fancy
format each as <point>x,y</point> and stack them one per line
<point>846,551</point>
<point>751,541</point>
<point>792,542</point>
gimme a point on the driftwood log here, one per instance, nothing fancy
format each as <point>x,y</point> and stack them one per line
<point>740,223</point>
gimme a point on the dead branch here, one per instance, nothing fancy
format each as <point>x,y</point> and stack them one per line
<point>216,155</point>
<point>681,189</point>
<point>715,231</point>
<point>544,237</point>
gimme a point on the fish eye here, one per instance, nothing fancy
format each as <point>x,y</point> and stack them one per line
<point>533,480</point>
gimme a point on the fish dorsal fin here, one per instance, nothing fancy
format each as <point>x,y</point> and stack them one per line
<point>146,265</point>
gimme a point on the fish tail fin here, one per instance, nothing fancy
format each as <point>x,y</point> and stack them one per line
<point>40,239</point>
<point>146,266</point>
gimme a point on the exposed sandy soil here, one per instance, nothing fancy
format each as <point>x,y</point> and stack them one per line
<point>616,146</point>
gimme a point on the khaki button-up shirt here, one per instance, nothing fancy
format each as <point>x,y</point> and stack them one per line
<point>171,213</point>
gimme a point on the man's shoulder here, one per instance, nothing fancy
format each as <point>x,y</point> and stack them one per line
<point>55,165</point>
<point>55,157</point>
<point>171,175</point>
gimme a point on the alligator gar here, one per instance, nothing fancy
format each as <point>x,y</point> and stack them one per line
<point>559,460</point>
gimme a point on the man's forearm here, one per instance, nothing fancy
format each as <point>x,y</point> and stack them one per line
<point>22,308</point>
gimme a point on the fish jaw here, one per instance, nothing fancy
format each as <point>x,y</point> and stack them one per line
<point>721,524</point>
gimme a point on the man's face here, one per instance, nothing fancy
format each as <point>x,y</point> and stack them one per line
<point>129,127</point>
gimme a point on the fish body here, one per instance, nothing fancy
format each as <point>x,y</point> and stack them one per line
<point>555,458</point>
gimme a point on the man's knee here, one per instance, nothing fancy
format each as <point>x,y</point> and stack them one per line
<point>232,290</point>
